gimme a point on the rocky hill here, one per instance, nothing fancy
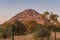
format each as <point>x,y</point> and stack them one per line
<point>28,14</point>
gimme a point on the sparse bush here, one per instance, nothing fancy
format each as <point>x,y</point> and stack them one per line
<point>41,32</point>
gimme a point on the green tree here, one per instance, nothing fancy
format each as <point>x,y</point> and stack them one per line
<point>31,24</point>
<point>19,28</point>
<point>7,32</point>
<point>42,32</point>
<point>46,14</point>
<point>53,19</point>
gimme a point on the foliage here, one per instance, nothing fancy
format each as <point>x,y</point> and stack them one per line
<point>1,29</point>
<point>41,32</point>
<point>19,28</point>
<point>7,32</point>
<point>31,24</point>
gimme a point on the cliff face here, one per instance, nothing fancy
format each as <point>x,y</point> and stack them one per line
<point>28,14</point>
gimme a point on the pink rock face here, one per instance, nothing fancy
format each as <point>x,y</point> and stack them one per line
<point>29,14</point>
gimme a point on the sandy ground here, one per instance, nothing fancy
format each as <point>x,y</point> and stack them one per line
<point>57,34</point>
<point>26,37</point>
<point>30,37</point>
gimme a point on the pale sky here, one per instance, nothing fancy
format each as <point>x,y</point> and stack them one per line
<point>9,8</point>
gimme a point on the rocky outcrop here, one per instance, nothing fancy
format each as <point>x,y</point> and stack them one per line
<point>28,14</point>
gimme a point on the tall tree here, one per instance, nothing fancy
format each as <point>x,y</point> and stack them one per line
<point>19,27</point>
<point>53,19</point>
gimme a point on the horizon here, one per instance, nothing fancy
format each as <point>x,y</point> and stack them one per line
<point>9,8</point>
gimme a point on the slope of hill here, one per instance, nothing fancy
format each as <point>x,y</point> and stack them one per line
<point>28,14</point>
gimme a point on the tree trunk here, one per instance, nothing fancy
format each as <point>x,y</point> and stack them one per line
<point>55,33</point>
<point>42,38</point>
<point>13,33</point>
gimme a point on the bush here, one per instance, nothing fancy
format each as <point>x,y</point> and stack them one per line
<point>19,28</point>
<point>41,32</point>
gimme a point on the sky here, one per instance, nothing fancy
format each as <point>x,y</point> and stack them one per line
<point>9,8</point>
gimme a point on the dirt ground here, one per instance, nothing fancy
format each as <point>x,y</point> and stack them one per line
<point>30,36</point>
<point>26,37</point>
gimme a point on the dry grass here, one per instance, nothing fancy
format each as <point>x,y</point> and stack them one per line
<point>30,37</point>
<point>24,37</point>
